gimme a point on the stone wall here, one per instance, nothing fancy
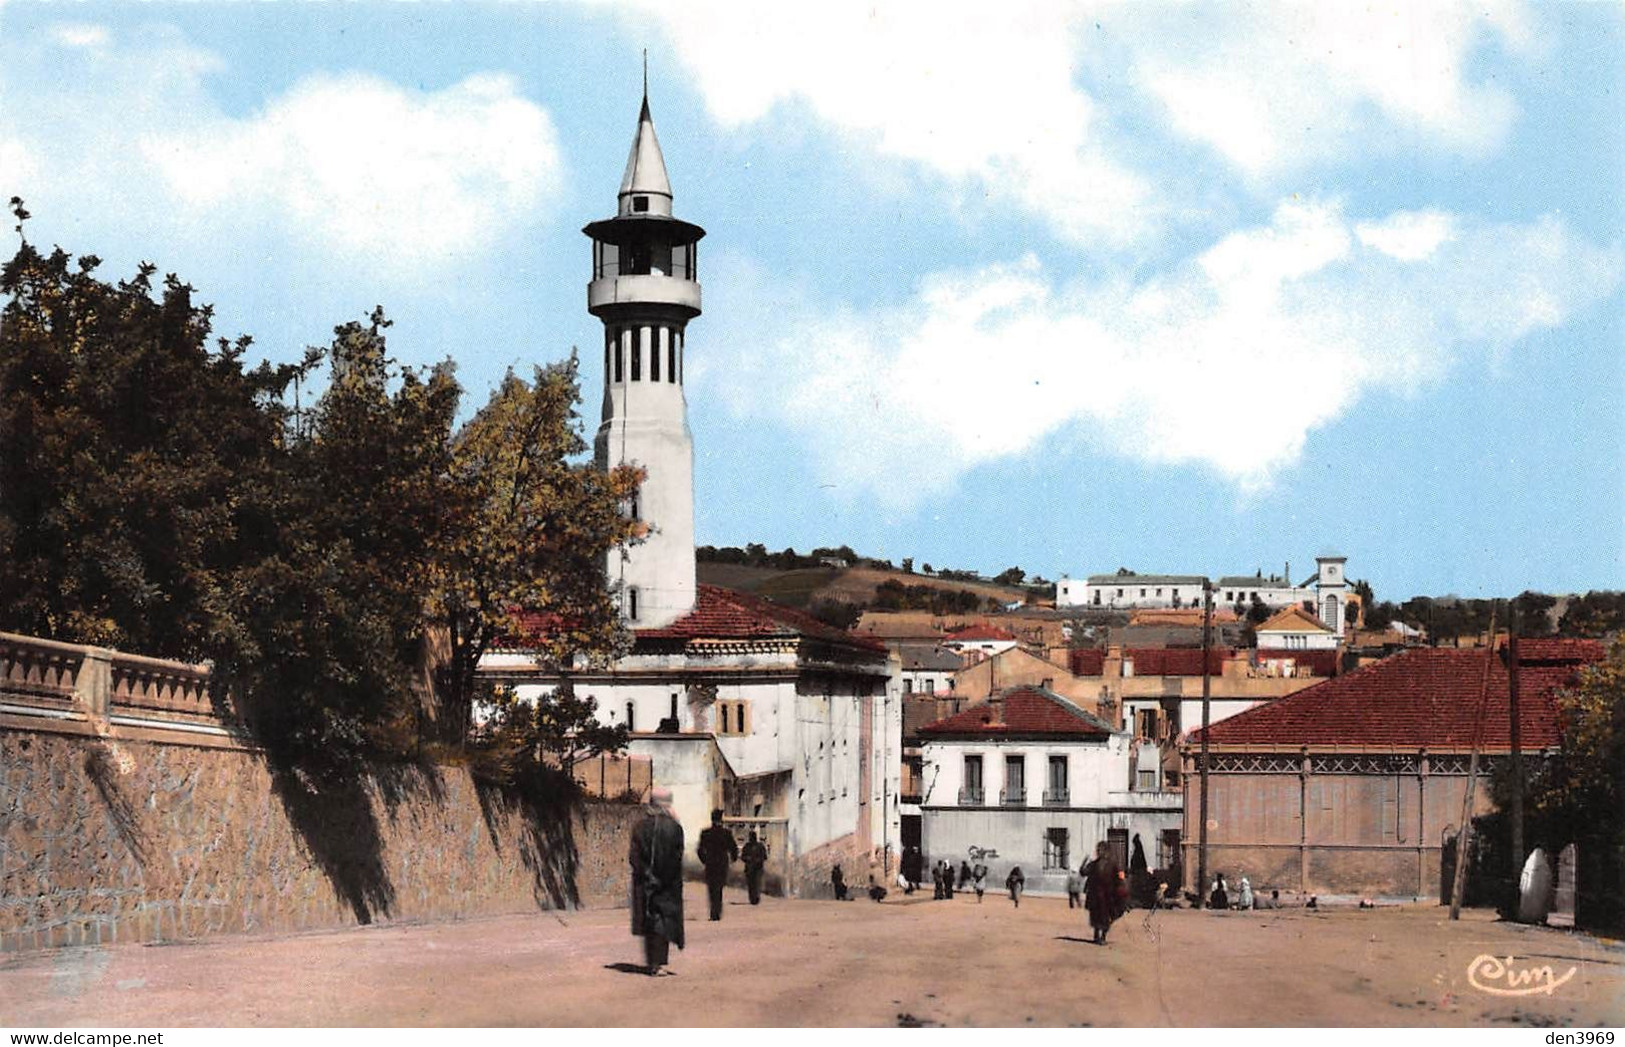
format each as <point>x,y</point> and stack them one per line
<point>104,839</point>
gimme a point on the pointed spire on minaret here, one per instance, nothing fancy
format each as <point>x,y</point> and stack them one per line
<point>645,176</point>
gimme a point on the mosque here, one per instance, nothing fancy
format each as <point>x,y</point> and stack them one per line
<point>790,726</point>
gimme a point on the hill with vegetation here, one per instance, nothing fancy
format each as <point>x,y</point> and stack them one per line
<point>838,585</point>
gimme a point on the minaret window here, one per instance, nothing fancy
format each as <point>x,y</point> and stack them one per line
<point>671,356</point>
<point>631,722</point>
<point>632,604</point>
<point>620,372</point>
<point>654,353</point>
<point>640,204</point>
<point>636,349</point>
<point>679,358</point>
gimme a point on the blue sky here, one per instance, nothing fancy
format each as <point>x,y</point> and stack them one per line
<point>1070,287</point>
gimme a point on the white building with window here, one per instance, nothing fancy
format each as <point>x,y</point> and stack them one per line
<point>1127,590</point>
<point>791,726</point>
<point>1295,629</point>
<point>1032,779</point>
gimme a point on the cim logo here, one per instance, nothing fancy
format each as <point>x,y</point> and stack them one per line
<point>1502,977</point>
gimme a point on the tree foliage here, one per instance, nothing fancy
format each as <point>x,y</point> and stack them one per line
<point>1578,796</point>
<point>159,496</point>
<point>138,463</point>
<point>1594,614</point>
<point>525,558</point>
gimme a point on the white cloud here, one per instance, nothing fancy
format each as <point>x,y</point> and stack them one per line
<point>343,167</point>
<point>1274,87</point>
<point>991,98</point>
<point>1229,362</point>
<point>70,34</point>
<point>372,168</point>
<point>1408,235</point>
<point>981,96</point>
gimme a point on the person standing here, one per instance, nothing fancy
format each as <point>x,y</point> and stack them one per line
<point>755,858</point>
<point>1100,891</point>
<point>1219,897</point>
<point>1246,892</point>
<point>656,858</point>
<point>1014,883</point>
<point>948,879</point>
<point>1074,886</point>
<point>964,874</point>
<point>979,880</point>
<point>911,869</point>
<point>837,882</point>
<point>717,851</point>
<point>936,882</point>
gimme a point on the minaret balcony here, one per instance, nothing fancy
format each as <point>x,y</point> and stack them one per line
<point>653,289</point>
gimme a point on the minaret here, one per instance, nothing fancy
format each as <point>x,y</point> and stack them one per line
<point>645,289</point>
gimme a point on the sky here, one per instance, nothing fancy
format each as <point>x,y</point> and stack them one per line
<point>1186,289</point>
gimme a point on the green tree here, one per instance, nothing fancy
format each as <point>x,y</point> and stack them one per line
<point>1578,796</point>
<point>137,462</point>
<point>1534,611</point>
<point>525,557</point>
<point>1594,614</point>
<point>1010,576</point>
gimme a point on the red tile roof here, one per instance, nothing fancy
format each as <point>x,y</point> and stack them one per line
<point>974,633</point>
<point>1320,663</point>
<point>1087,661</point>
<point>1027,711</point>
<point>1424,697</point>
<point>723,614</point>
<point>1176,661</point>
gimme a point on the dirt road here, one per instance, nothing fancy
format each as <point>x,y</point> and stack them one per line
<point>857,963</point>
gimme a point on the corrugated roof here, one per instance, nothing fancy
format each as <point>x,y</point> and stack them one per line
<point>1026,711</point>
<point>1427,697</point>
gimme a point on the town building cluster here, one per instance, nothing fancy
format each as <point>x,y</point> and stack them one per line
<point>1020,738</point>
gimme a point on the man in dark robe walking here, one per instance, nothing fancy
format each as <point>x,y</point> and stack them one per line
<point>1101,889</point>
<point>717,851</point>
<point>656,857</point>
<point>754,856</point>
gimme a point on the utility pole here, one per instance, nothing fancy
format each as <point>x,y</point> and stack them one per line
<point>1207,688</point>
<point>1464,834</point>
<point>1517,748</point>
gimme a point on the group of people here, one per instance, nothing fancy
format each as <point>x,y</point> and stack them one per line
<point>1099,885</point>
<point>656,858</point>
<point>1219,896</point>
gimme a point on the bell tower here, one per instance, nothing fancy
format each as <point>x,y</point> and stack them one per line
<point>645,289</point>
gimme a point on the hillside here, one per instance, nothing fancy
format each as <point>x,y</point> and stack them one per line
<point>853,585</point>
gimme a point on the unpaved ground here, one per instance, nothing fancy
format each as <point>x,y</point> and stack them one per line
<point>790,963</point>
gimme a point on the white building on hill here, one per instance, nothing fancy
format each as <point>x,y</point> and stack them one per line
<point>1325,593</point>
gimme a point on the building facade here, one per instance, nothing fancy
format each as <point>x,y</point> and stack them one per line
<point>1325,592</point>
<point>1031,779</point>
<point>1355,786</point>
